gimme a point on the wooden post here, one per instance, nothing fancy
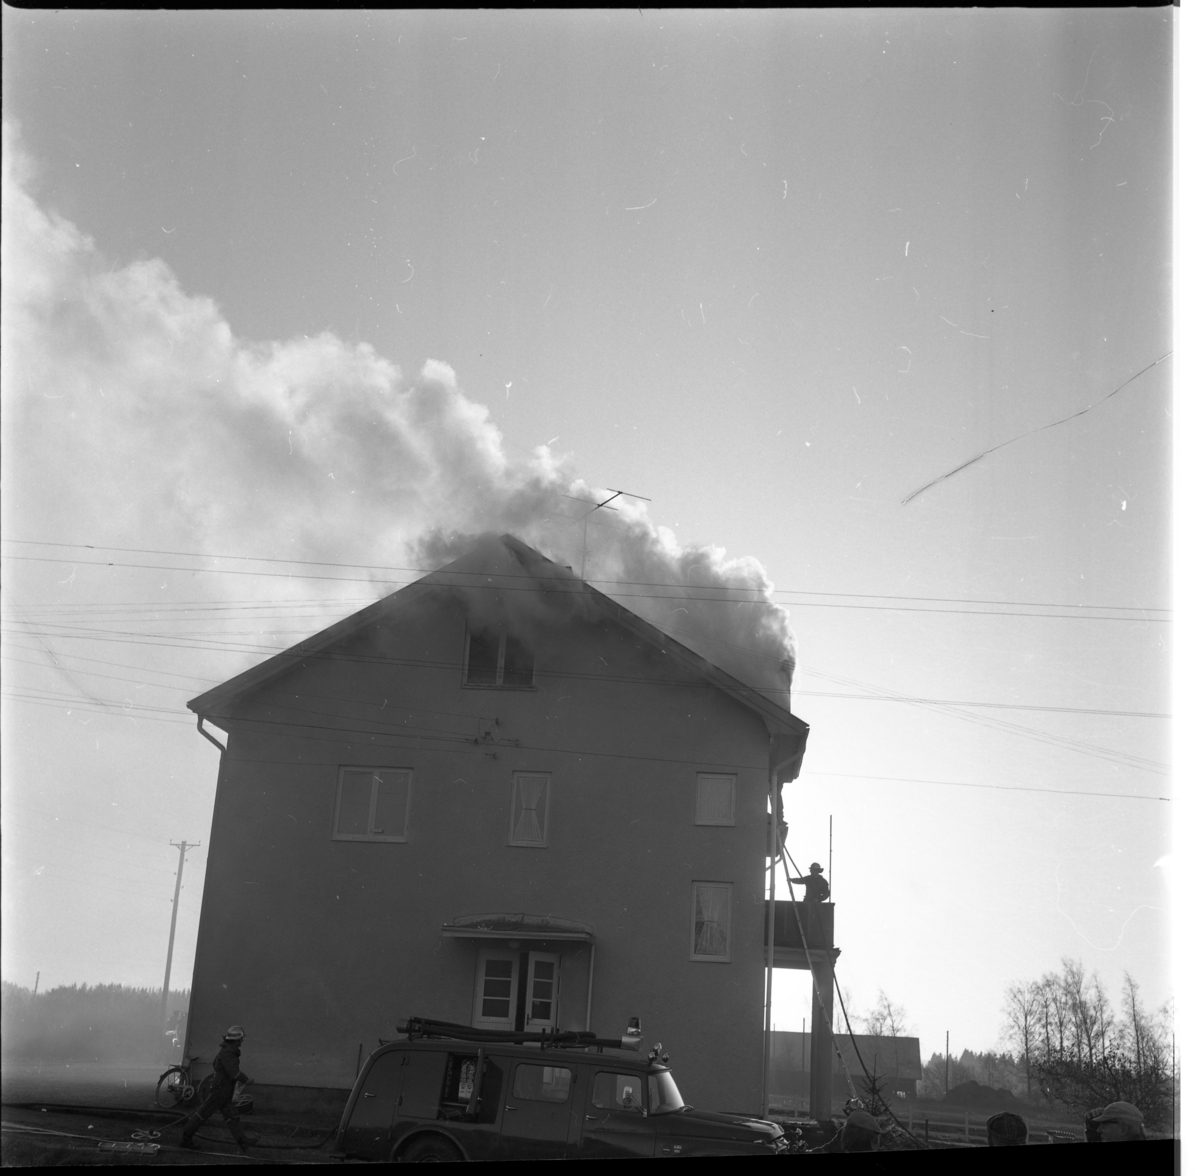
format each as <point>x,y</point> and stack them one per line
<point>967,1126</point>
<point>820,1066</point>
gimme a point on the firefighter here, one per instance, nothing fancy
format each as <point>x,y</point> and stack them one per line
<point>816,889</point>
<point>860,1133</point>
<point>227,1073</point>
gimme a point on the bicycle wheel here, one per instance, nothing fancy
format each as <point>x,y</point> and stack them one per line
<point>173,1087</point>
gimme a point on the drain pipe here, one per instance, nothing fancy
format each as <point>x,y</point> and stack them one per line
<point>200,728</point>
<point>767,1043</point>
<point>591,974</point>
<point>767,1034</point>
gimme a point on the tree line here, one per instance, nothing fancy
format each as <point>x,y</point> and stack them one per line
<point>1078,1048</point>
<point>81,1022</point>
<point>1070,1045</point>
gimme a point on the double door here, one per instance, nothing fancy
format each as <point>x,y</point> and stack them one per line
<point>516,990</point>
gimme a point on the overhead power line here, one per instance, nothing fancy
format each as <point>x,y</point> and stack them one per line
<point>412,730</point>
<point>1070,710</point>
<point>995,787</point>
<point>370,739</point>
<point>1023,706</point>
<point>997,724</point>
<point>756,596</point>
<point>1034,734</point>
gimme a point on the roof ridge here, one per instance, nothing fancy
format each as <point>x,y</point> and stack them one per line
<point>780,722</point>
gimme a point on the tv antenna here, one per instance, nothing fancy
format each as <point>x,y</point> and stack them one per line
<point>613,494</point>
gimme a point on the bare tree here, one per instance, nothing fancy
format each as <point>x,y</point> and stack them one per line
<point>1022,1015</point>
<point>886,1019</point>
<point>1135,1018</point>
<point>1084,1055</point>
<point>846,1020</point>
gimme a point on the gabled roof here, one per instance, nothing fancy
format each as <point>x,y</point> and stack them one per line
<point>491,561</point>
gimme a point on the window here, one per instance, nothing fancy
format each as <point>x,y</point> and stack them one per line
<point>460,1079</point>
<point>372,804</point>
<point>459,1087</point>
<point>516,990</point>
<point>541,997</point>
<point>498,660</point>
<point>530,808</point>
<point>495,990</point>
<point>664,1094</point>
<point>617,1092</point>
<point>712,904</point>
<point>542,1083</point>
<point>714,799</point>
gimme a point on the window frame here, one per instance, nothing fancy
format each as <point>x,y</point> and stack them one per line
<point>478,1020</point>
<point>513,810</point>
<point>559,1065</point>
<point>375,771</point>
<point>701,777</point>
<point>533,1024</point>
<point>693,955</point>
<point>499,683</point>
<point>639,1108</point>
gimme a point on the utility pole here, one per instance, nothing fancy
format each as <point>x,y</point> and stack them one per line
<point>183,847</point>
<point>947,1061</point>
<point>830,877</point>
<point>38,980</point>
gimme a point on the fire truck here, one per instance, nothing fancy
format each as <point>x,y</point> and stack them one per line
<point>452,1092</point>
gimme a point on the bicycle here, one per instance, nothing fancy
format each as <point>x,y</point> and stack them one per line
<point>175,1086</point>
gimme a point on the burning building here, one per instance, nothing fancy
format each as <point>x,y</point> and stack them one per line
<point>494,797</point>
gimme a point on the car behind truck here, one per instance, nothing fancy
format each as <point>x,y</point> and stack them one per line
<point>450,1092</point>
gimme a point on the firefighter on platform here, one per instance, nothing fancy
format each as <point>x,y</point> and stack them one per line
<point>227,1073</point>
<point>816,889</point>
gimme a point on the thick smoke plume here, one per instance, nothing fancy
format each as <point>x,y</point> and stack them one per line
<point>134,416</point>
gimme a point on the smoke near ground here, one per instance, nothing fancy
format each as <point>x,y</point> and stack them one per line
<point>96,1023</point>
<point>134,416</point>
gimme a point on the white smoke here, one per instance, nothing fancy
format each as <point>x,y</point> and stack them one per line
<point>135,417</point>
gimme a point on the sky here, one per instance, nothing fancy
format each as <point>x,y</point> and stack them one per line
<point>291,298</point>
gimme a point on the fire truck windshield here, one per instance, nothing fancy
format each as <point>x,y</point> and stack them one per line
<point>664,1094</point>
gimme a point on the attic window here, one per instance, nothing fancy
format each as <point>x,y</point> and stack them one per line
<point>372,804</point>
<point>498,660</point>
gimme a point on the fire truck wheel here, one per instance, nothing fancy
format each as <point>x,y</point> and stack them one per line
<point>430,1149</point>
